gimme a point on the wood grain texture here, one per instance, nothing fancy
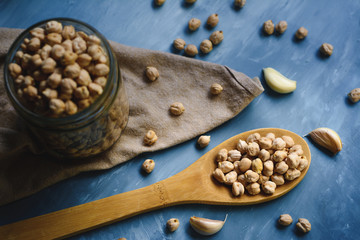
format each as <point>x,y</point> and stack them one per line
<point>192,185</point>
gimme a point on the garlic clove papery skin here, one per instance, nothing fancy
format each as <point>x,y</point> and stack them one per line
<point>327,138</point>
<point>206,226</point>
<point>278,82</point>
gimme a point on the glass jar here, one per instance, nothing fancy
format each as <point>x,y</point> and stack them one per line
<point>87,132</point>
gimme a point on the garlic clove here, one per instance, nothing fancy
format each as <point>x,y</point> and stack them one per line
<point>327,138</point>
<point>278,82</point>
<point>206,226</point>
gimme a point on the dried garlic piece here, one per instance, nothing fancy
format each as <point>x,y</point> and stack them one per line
<point>206,226</point>
<point>327,138</point>
<point>278,82</point>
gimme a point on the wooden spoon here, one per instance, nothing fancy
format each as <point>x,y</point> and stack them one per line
<point>192,185</point>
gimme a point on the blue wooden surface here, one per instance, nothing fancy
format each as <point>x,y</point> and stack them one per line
<point>328,196</point>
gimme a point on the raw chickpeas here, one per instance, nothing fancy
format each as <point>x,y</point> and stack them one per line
<point>173,224</point>
<point>191,50</point>
<point>152,73</point>
<point>50,56</point>
<point>194,24</point>
<point>206,46</point>
<point>148,165</point>
<point>216,37</point>
<point>216,89</point>
<point>179,44</point>
<point>159,2</point>
<point>268,27</point>
<point>354,95</point>
<point>326,49</point>
<point>281,27</point>
<point>301,33</point>
<point>239,3</point>
<point>213,20</point>
<point>203,141</point>
<point>285,220</point>
<point>261,163</point>
<point>303,225</point>
<point>177,108</point>
<point>150,138</point>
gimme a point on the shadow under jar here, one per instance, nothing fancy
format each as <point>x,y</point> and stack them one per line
<point>91,130</point>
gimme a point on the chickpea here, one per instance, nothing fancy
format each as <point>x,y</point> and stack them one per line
<point>101,81</point>
<point>268,27</point>
<point>179,44</point>
<point>95,89</point>
<point>288,141</point>
<point>354,95</point>
<point>34,44</point>
<point>245,164</point>
<point>303,163</point>
<point>177,108</point>
<point>36,60</point>
<point>70,107</point>
<point>236,167</point>
<point>269,187</point>
<point>53,38</point>
<point>293,160</point>
<point>281,167</point>
<point>257,165</point>
<point>28,80</point>
<point>45,51</point>
<point>68,85</point>
<point>242,146</point>
<point>30,92</point>
<point>84,60</point>
<point>265,143</point>
<point>264,155</point>
<point>48,65</point>
<point>67,44</point>
<point>53,27</point>
<point>279,156</point>
<point>219,175</point>
<point>270,136</point>
<point>222,155</point>
<point>255,137</point>
<point>42,85</point>
<point>82,35</point>
<point>92,39</point>
<point>79,45</point>
<point>18,56</point>
<point>69,58</point>
<point>57,106</point>
<point>238,189</point>
<point>203,141</point>
<point>84,103</point>
<point>303,225</point>
<point>191,50</point>
<point>206,46</point>
<point>95,52</point>
<point>251,176</point>
<point>242,180</point>
<point>253,188</point>
<point>226,166</point>
<point>296,149</point>
<point>281,27</point>
<point>217,37</point>
<point>279,144</point>
<point>253,149</point>
<point>38,33</point>
<point>38,75</point>
<point>72,71</point>
<point>25,61</point>
<point>239,3</point>
<point>278,179</point>
<point>194,24</point>
<point>152,73</point>
<point>84,78</point>
<point>148,165</point>
<point>173,223</point>
<point>54,80</point>
<point>68,32</point>
<point>216,89</point>
<point>150,138</point>
<point>14,69</point>
<point>81,92</point>
<point>285,220</point>
<point>50,93</point>
<point>291,174</point>
<point>234,155</point>
<point>230,177</point>
<point>268,168</point>
<point>190,1</point>
<point>326,49</point>
<point>263,179</point>
<point>213,20</point>
<point>301,33</point>
<point>57,52</point>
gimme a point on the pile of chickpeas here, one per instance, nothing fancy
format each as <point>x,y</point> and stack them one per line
<point>260,163</point>
<point>59,71</point>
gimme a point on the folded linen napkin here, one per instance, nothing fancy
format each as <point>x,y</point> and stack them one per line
<point>24,170</point>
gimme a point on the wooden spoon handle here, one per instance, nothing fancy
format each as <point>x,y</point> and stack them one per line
<point>78,219</point>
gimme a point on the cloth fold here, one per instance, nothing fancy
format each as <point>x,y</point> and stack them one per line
<point>24,171</point>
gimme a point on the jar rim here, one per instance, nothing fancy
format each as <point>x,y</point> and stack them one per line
<point>93,109</point>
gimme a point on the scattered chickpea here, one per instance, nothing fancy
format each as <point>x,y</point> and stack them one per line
<point>213,20</point>
<point>222,155</point>
<point>253,188</point>
<point>239,3</point>
<point>150,138</point>
<point>354,95</point>
<point>177,108</point>
<point>216,37</point>
<point>179,44</point>
<point>269,187</point>
<point>301,33</point>
<point>285,220</point>
<point>203,141</point>
<point>206,46</point>
<point>152,73</point>
<point>173,223</point>
<point>281,27</point>
<point>226,166</point>
<point>148,165</point>
<point>238,189</point>
<point>303,225</point>
<point>268,27</point>
<point>216,89</point>
<point>219,175</point>
<point>191,50</point>
<point>159,2</point>
<point>190,1</point>
<point>194,24</point>
<point>326,49</point>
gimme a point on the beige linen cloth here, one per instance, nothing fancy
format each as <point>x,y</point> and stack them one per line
<point>24,171</point>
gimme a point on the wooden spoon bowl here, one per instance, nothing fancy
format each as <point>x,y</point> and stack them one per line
<point>195,184</point>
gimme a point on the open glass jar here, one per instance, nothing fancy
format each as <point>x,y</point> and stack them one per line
<point>90,130</point>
